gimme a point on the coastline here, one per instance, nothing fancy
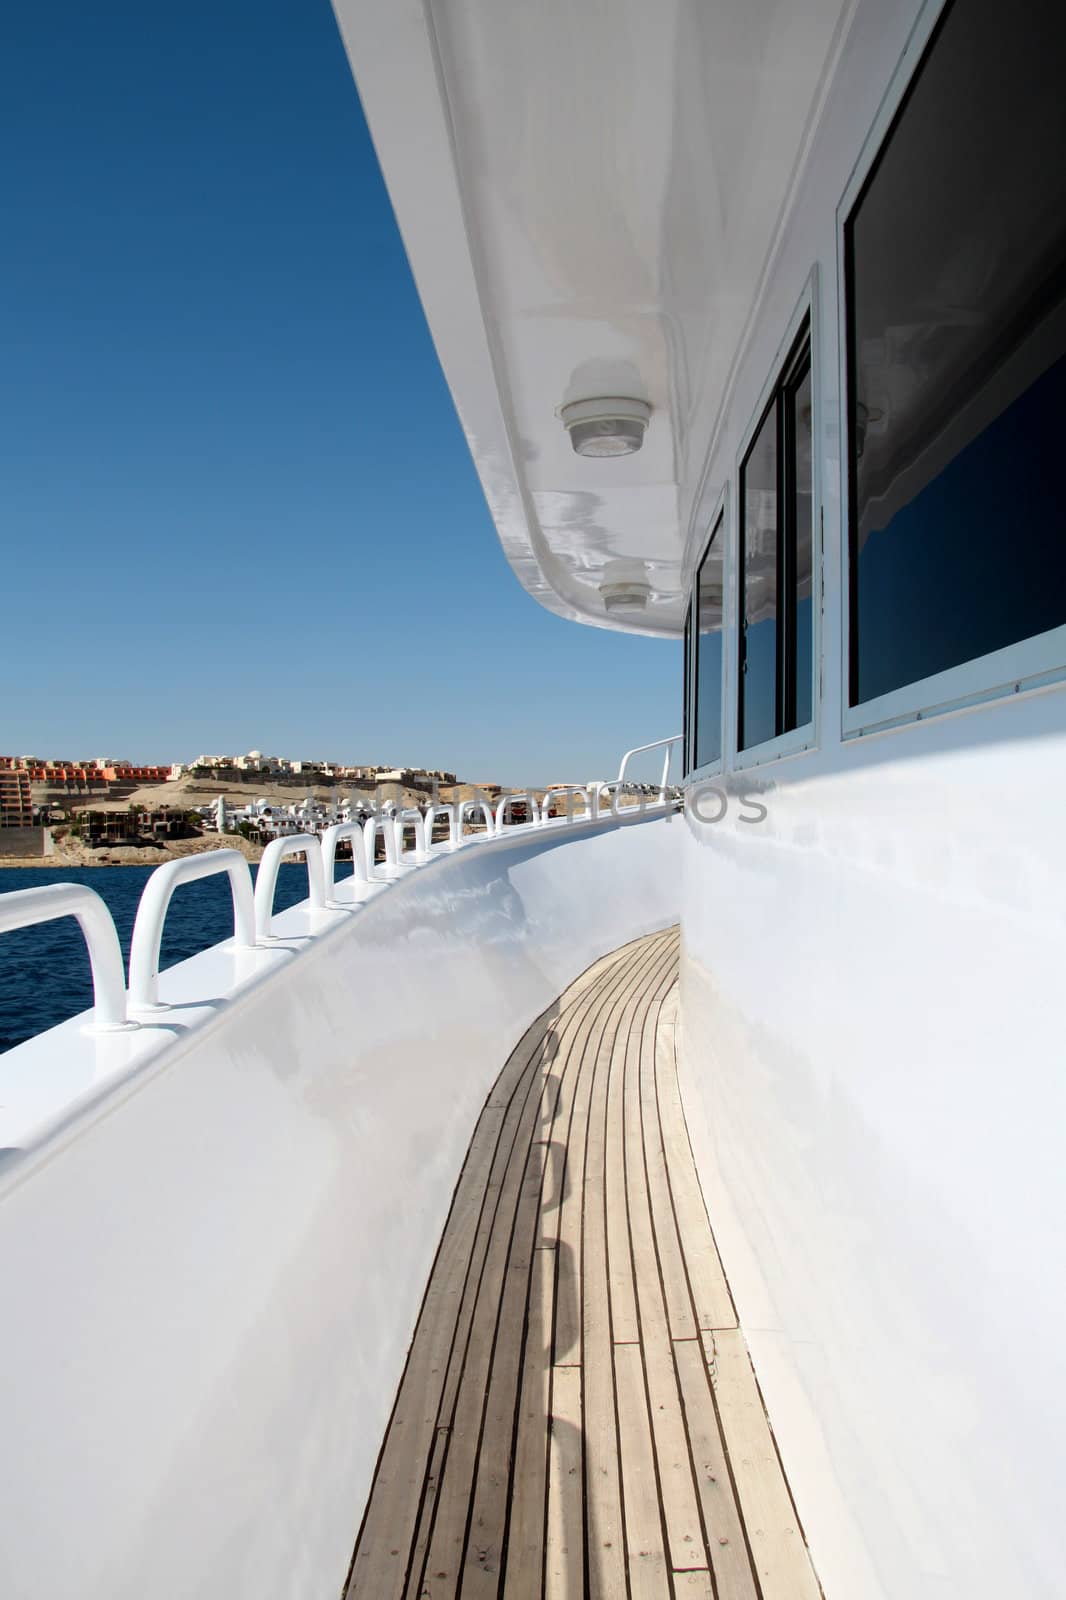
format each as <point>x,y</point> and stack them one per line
<point>74,854</point>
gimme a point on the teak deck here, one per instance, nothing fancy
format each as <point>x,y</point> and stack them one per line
<point>578,1415</point>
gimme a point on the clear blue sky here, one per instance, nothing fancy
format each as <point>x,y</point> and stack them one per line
<point>237,507</point>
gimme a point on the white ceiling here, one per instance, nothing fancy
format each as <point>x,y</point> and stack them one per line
<point>589,191</point>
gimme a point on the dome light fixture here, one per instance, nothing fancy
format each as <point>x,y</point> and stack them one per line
<point>612,425</point>
<point>624,596</point>
<point>624,586</point>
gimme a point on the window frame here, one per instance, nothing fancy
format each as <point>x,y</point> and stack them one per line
<point>805,737</point>
<point>1032,663</point>
<point>719,519</point>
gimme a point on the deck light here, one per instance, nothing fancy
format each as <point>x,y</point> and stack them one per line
<point>609,426</point>
<point>624,596</point>
<point>624,586</point>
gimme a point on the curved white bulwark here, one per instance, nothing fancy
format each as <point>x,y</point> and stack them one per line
<point>215,1229</point>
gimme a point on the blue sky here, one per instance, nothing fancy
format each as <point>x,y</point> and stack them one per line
<point>237,507</point>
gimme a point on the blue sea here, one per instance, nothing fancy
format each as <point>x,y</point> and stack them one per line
<point>44,971</point>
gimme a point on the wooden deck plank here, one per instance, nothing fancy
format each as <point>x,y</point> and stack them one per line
<point>625,1329</point>
<point>693,1585</point>
<point>603,1484</point>
<point>681,1515</point>
<point>679,1309</point>
<point>561,1429</point>
<point>484,1555</point>
<point>570,1194</point>
<point>645,1543</point>
<point>726,1541</point>
<point>564,1574</point>
<point>469,1528</point>
<point>449,1538</point>
<point>605,1525</point>
<point>460,1404</point>
<point>392,1515</point>
<point>525,1534</point>
<point>774,1535</point>
<point>710,1293</point>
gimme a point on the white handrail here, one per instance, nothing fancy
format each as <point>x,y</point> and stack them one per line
<point>370,829</point>
<point>451,809</point>
<point>24,908</point>
<point>486,812</point>
<point>253,913</point>
<point>330,840</point>
<point>152,910</point>
<point>656,744</point>
<point>411,818</point>
<point>589,793</point>
<point>293,844</point>
<point>527,799</point>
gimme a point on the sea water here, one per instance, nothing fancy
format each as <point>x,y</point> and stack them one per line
<point>44,971</point>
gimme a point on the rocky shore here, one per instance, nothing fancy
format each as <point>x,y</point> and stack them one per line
<point>70,852</point>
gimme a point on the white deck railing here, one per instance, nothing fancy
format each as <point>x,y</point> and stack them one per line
<point>253,910</point>
<point>152,911</point>
<point>640,749</point>
<point>383,824</point>
<point>25,908</point>
<point>452,812</point>
<point>330,840</point>
<point>469,806</point>
<point>528,800</point>
<point>294,844</point>
<point>411,818</point>
<point>589,795</point>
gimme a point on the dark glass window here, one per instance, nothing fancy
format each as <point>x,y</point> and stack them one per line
<point>709,588</point>
<point>686,735</point>
<point>776,561</point>
<point>801,498</point>
<point>758,649</point>
<point>955,261</point>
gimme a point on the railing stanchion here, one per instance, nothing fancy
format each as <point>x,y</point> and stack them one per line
<point>294,844</point>
<point>528,799</point>
<point>152,910</point>
<point>330,840</point>
<point>388,832</point>
<point>25,908</point>
<point>656,744</point>
<point>411,818</point>
<point>440,809</point>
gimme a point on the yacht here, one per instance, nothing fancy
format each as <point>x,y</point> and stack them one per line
<point>663,1197</point>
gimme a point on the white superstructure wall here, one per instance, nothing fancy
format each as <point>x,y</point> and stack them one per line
<point>871,1036</point>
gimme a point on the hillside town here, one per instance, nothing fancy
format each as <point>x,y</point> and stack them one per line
<point>103,810</point>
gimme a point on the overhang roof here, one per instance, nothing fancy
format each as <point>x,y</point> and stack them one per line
<point>589,192</point>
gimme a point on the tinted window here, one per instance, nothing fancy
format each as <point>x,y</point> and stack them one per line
<point>777,618</point>
<point>802,518</point>
<point>758,684</point>
<point>954,257</point>
<point>686,736</point>
<point>709,582</point>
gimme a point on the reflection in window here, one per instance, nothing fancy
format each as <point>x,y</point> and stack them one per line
<point>708,719</point>
<point>686,736</point>
<point>758,671</point>
<point>955,257</point>
<point>802,507</point>
<point>777,539</point>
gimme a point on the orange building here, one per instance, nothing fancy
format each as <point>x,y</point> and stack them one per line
<point>16,806</point>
